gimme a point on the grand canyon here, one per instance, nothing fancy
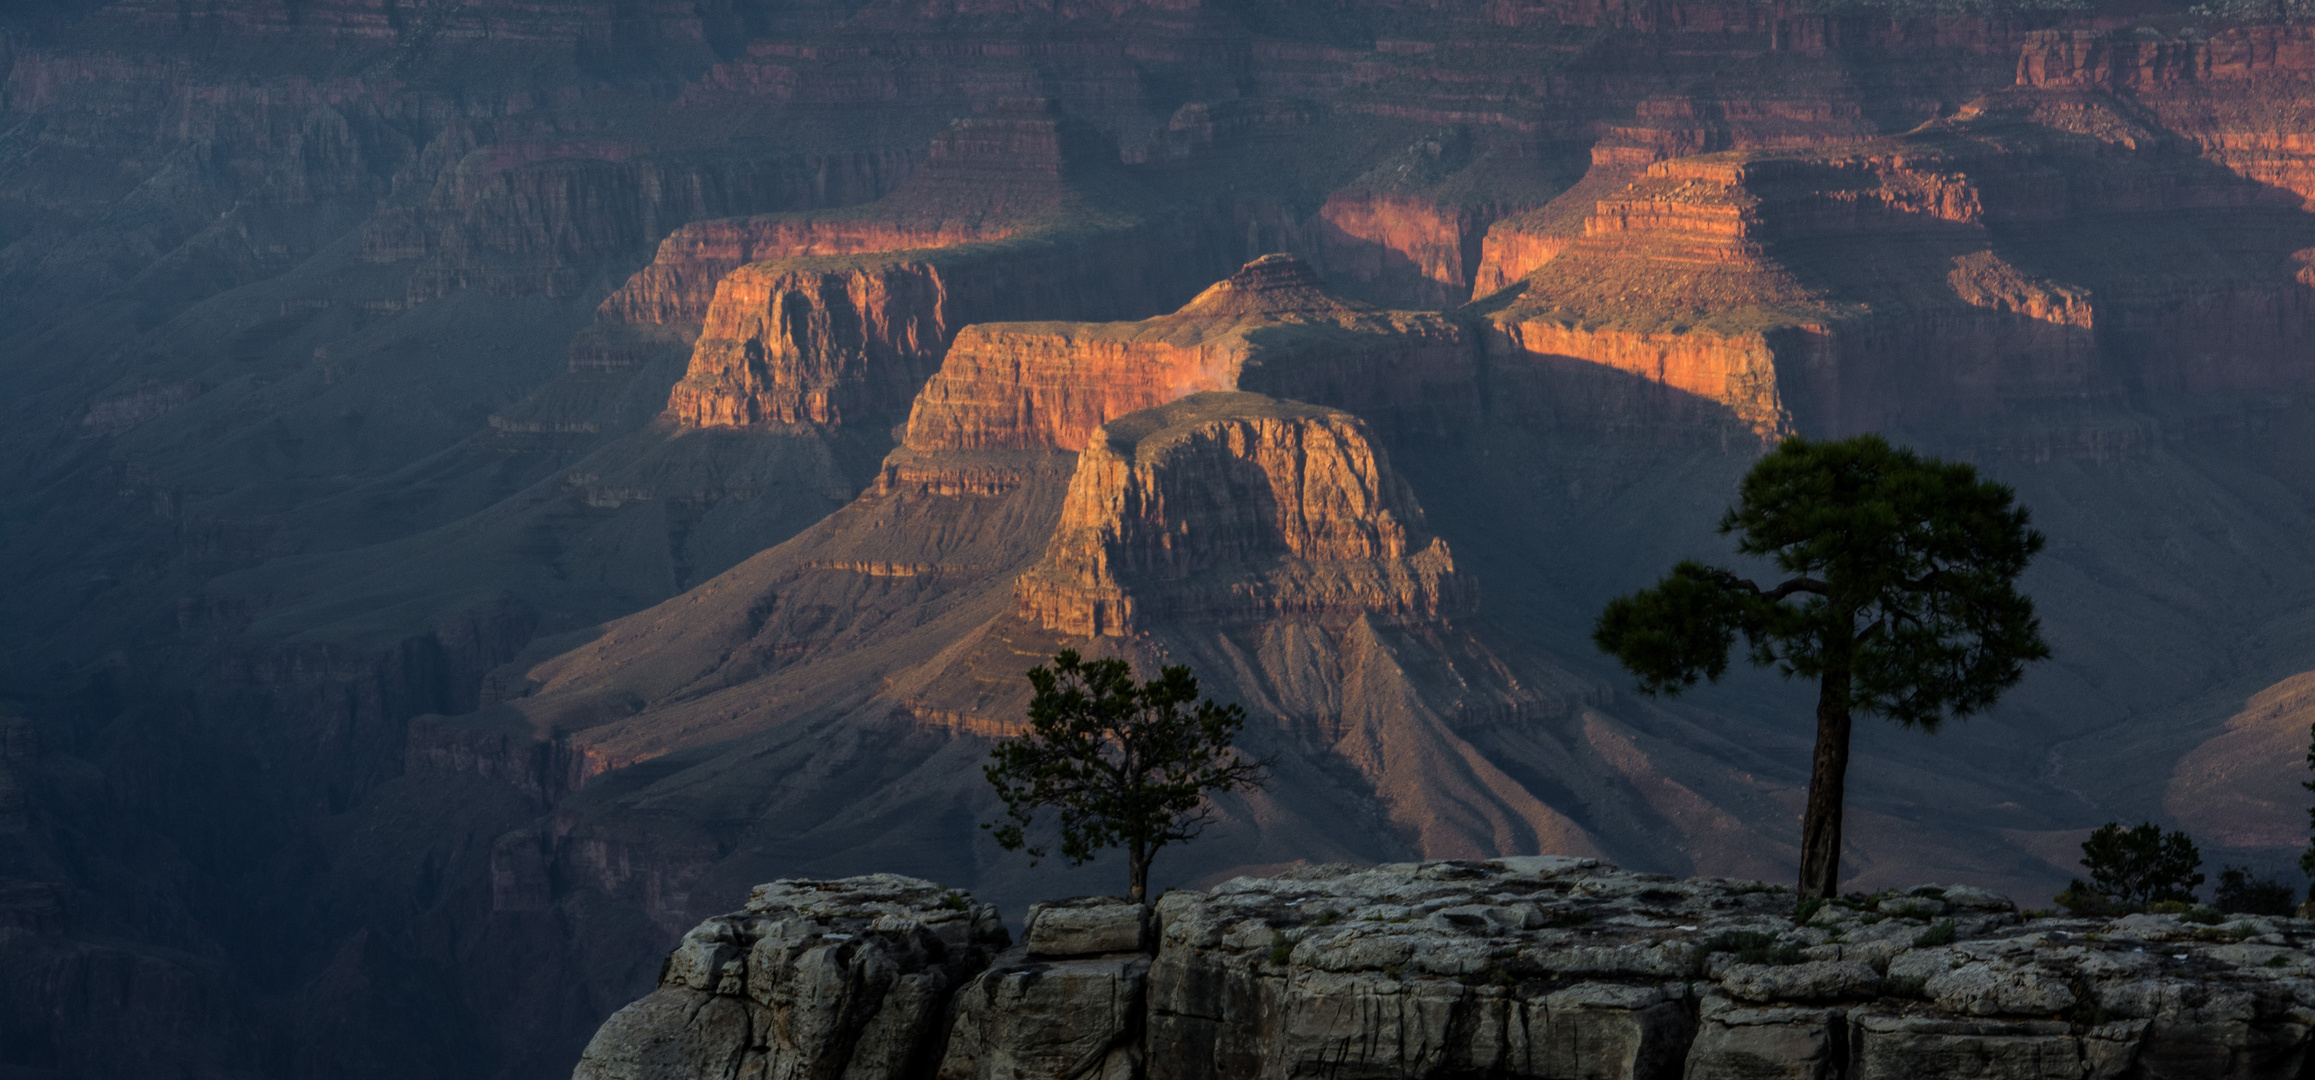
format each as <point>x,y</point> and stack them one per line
<point>489,482</point>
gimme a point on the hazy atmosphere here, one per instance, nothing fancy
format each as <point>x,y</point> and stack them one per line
<point>485,484</point>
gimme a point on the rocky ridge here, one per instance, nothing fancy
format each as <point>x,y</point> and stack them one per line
<point>1533,966</point>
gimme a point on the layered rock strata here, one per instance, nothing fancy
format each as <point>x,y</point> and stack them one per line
<point>817,340</point>
<point>1271,327</point>
<point>1232,507</point>
<point>2236,92</point>
<point>985,178</point>
<point>1553,967</point>
<point>541,216</point>
<point>1991,261</point>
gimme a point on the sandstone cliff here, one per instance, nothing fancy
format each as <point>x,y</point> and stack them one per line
<point>1272,327</point>
<point>2232,93</point>
<point>1007,220</point>
<point>1226,508</point>
<point>1534,966</point>
<point>984,178</point>
<point>1794,289</point>
<point>816,340</point>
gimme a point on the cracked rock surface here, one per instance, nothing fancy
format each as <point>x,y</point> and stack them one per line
<point>1543,967</point>
<point>821,979</point>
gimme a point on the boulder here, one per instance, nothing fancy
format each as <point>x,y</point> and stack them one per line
<point>814,979</point>
<point>1740,1042</point>
<point>1086,926</point>
<point>1061,1020</point>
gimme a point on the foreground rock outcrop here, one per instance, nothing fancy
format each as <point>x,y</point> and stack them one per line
<point>1539,966</point>
<point>841,978</point>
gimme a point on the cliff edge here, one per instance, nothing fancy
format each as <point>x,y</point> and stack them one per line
<point>1536,966</point>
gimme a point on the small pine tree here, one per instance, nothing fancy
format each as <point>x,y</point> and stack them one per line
<point>1123,763</point>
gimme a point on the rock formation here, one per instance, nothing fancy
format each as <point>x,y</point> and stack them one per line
<point>1786,286</point>
<point>1231,508</point>
<point>1007,220</point>
<point>1533,966</point>
<point>812,978</point>
<point>1273,327</point>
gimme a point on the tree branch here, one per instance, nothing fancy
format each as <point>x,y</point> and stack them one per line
<point>1797,585</point>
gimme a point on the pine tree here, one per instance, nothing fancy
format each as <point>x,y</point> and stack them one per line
<point>1901,601</point>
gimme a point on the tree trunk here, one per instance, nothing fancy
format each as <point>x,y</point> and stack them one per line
<point>1137,868</point>
<point>1821,829</point>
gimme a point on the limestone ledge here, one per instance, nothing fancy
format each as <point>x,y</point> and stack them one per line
<point>1537,966</point>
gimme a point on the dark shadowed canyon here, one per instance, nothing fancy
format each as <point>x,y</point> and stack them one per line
<point>485,482</point>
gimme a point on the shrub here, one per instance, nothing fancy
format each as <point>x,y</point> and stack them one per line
<point>2201,916</point>
<point>1941,934</point>
<point>2144,865</point>
<point>1753,947</point>
<point>2242,892</point>
<point>2081,899</point>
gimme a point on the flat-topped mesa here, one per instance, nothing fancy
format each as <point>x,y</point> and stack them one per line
<point>678,287</point>
<point>1228,507</point>
<point>1271,326</point>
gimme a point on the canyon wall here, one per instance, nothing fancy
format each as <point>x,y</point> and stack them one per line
<point>543,217</point>
<point>815,340</point>
<point>1808,285</point>
<point>331,441</point>
<point>1225,508</point>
